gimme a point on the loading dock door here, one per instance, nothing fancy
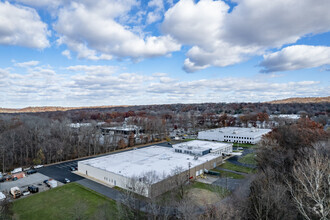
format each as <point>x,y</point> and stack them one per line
<point>214,164</point>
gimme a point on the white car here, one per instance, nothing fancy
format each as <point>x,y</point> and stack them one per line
<point>2,196</point>
<point>38,166</point>
<point>25,193</point>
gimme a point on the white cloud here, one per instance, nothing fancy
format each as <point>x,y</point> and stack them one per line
<point>94,33</point>
<point>40,4</point>
<point>67,53</point>
<point>277,22</point>
<point>296,57</point>
<point>22,26</point>
<point>27,64</point>
<point>158,11</point>
<point>93,69</point>
<point>222,38</point>
<point>102,85</point>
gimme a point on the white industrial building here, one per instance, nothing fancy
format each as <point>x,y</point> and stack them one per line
<point>152,168</point>
<point>234,134</point>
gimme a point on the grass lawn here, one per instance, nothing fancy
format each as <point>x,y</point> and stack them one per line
<point>245,145</point>
<point>64,202</point>
<point>213,188</point>
<point>230,166</point>
<point>248,159</point>
<point>230,174</point>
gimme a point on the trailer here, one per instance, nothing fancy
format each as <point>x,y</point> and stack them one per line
<point>17,170</point>
<point>15,192</point>
<point>52,183</point>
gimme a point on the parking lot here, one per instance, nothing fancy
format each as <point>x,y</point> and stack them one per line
<point>61,171</point>
<point>23,183</point>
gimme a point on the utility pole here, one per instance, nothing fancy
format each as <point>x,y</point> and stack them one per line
<point>189,164</point>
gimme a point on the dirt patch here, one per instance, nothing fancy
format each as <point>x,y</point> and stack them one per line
<point>202,197</point>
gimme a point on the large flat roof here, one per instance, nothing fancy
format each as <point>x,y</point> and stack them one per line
<point>158,159</point>
<point>201,145</point>
<point>238,131</point>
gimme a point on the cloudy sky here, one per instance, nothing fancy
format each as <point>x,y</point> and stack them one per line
<point>113,52</point>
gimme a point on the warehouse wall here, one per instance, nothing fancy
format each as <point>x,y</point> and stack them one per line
<point>153,190</point>
<point>113,179</point>
<point>170,183</point>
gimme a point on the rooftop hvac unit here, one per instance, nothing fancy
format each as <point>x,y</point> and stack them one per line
<point>195,158</point>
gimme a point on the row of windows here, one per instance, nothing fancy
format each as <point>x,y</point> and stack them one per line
<point>239,141</point>
<point>239,137</point>
<point>110,180</point>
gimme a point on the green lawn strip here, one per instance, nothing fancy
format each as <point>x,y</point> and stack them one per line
<point>185,140</point>
<point>248,159</point>
<point>62,202</point>
<point>230,174</point>
<point>213,188</point>
<point>230,166</point>
<point>245,145</point>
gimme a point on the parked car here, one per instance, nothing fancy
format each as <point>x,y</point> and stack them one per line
<point>33,189</point>
<point>66,180</point>
<point>240,148</point>
<point>25,193</point>
<point>29,172</point>
<point>72,169</point>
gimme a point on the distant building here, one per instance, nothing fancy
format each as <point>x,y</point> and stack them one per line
<point>286,116</point>
<point>234,134</point>
<point>151,168</point>
<point>122,130</point>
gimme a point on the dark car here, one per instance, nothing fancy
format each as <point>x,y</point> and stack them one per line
<point>72,169</point>
<point>29,172</point>
<point>46,182</point>
<point>33,189</point>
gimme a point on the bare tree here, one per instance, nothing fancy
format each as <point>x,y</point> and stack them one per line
<point>180,179</point>
<point>5,209</point>
<point>187,210</point>
<point>311,180</point>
